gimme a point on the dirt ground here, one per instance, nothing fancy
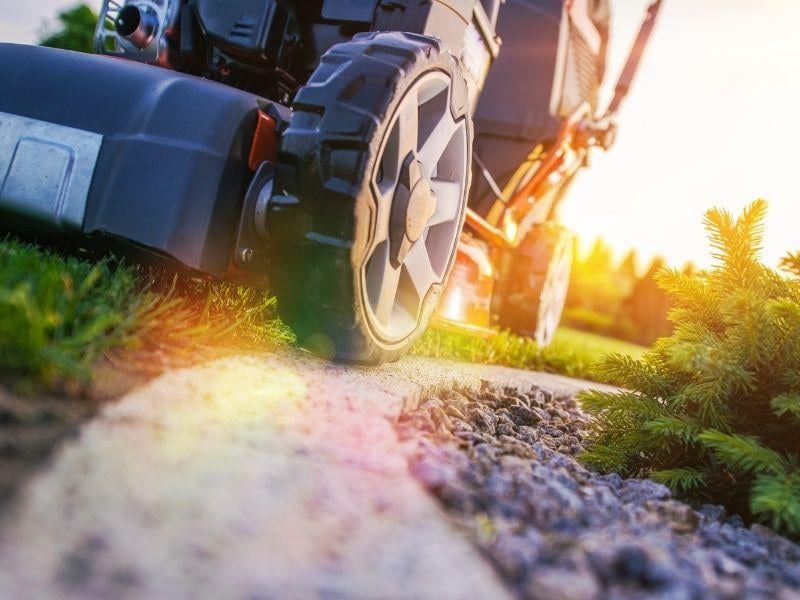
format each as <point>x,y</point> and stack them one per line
<point>33,425</point>
<point>30,428</point>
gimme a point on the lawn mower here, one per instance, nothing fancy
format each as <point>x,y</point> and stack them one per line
<point>345,155</point>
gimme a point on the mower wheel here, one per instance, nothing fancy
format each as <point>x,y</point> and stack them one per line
<point>534,290</point>
<point>370,196</point>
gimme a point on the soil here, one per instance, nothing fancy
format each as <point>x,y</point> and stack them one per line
<point>502,464</point>
<point>33,426</point>
<point>30,428</point>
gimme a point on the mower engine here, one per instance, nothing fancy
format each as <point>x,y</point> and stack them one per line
<point>137,31</point>
<point>243,43</point>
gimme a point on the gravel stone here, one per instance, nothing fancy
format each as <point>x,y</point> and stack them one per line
<point>553,529</point>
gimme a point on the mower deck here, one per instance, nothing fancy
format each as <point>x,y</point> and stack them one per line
<point>124,150</point>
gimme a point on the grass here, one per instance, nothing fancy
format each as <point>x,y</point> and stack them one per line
<point>572,352</point>
<point>596,346</point>
<point>59,315</point>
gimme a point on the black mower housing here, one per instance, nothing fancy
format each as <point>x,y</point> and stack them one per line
<point>172,169</point>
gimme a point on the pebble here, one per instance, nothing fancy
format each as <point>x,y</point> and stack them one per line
<point>503,465</point>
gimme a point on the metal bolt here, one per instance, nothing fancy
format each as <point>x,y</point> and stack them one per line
<point>246,255</point>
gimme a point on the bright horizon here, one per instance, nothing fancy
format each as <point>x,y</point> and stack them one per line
<point>709,122</point>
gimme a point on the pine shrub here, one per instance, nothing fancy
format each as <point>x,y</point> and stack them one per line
<point>713,411</point>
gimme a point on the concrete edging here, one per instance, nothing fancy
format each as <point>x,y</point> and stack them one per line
<point>252,476</point>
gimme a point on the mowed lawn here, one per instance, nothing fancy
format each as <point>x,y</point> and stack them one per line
<point>60,314</point>
<point>572,353</point>
<point>595,345</point>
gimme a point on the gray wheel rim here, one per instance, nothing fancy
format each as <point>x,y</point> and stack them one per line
<point>419,185</point>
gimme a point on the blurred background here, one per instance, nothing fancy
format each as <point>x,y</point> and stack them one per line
<point>710,122</point>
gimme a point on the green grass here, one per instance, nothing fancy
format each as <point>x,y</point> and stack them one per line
<point>59,315</point>
<point>572,352</point>
<point>594,345</point>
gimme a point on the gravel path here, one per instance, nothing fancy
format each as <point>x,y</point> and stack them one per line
<point>502,464</point>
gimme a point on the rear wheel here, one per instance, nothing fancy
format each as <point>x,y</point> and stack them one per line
<point>535,289</point>
<point>371,190</point>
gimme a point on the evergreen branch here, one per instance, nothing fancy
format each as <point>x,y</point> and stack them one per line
<point>680,479</point>
<point>785,309</point>
<point>683,428</point>
<point>693,299</point>
<point>635,374</point>
<point>791,379</point>
<point>791,263</point>
<point>606,458</point>
<point>631,404</point>
<point>776,498</point>
<point>737,242</point>
<point>743,453</point>
<point>786,404</point>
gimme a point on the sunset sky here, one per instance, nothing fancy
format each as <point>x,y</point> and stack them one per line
<point>711,121</point>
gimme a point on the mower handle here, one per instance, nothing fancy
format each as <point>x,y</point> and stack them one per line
<point>634,60</point>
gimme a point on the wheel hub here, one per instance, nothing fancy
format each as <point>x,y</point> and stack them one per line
<point>421,206</point>
<point>414,203</point>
